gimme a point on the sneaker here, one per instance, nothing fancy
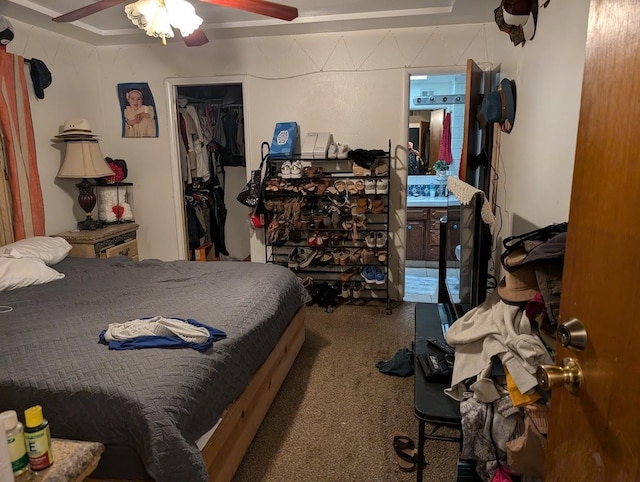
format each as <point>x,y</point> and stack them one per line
<point>368,274</point>
<point>370,239</point>
<point>294,258</point>
<point>381,239</point>
<point>296,170</point>
<point>285,170</point>
<point>345,289</point>
<point>379,276</point>
<point>343,151</point>
<point>306,256</point>
<point>382,186</point>
<point>356,289</point>
<point>370,186</point>
<point>332,153</point>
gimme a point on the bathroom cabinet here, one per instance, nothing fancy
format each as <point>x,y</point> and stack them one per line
<point>423,233</point>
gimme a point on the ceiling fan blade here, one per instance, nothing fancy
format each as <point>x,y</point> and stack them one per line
<point>88,10</point>
<point>261,7</point>
<point>196,39</point>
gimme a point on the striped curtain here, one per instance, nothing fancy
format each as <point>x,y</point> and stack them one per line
<point>21,204</point>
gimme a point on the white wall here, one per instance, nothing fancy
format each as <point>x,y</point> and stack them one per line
<point>354,85</point>
<point>537,157</point>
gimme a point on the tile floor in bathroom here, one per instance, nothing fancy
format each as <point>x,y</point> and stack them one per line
<point>421,284</point>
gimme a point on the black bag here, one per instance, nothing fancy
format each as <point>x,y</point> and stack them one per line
<point>251,194</point>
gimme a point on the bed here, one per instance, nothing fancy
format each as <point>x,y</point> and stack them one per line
<point>154,409</point>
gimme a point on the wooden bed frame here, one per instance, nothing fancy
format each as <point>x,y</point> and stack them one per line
<point>240,421</point>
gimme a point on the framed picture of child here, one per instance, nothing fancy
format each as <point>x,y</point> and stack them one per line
<point>138,110</point>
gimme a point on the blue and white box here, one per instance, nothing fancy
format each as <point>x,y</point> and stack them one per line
<point>285,139</point>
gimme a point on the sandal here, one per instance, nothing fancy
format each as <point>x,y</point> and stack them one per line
<point>406,451</point>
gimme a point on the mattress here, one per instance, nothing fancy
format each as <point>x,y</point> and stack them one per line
<point>156,401</point>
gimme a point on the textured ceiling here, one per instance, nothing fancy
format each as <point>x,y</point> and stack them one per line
<point>111,26</point>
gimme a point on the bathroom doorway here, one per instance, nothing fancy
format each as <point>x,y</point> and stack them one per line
<point>436,119</point>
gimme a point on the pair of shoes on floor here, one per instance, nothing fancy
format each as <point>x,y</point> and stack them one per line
<point>406,452</point>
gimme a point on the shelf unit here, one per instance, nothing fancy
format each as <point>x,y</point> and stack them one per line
<point>332,214</point>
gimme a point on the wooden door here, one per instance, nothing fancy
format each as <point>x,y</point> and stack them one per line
<point>595,434</point>
<point>472,138</point>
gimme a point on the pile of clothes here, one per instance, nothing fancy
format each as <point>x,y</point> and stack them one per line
<point>499,346</point>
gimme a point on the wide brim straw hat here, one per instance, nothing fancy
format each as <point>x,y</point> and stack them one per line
<point>519,285</point>
<point>77,129</point>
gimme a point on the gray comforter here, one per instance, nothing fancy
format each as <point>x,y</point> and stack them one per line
<point>157,401</point>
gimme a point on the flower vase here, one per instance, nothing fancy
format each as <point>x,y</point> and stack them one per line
<point>441,174</point>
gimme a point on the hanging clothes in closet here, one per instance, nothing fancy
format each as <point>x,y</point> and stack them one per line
<point>211,137</point>
<point>206,215</point>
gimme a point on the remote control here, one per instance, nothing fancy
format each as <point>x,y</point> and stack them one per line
<point>442,346</point>
<point>434,366</point>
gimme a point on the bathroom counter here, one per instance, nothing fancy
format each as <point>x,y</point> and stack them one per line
<point>431,202</point>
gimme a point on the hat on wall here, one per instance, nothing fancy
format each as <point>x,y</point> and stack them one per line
<point>6,32</point>
<point>513,17</point>
<point>40,76</point>
<point>520,285</point>
<point>500,106</point>
<point>76,129</point>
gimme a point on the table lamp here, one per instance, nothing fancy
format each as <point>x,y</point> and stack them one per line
<point>84,160</point>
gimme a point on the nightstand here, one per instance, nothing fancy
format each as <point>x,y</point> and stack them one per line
<point>107,242</point>
<point>73,461</point>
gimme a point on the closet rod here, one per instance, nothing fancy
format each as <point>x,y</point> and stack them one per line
<point>217,102</point>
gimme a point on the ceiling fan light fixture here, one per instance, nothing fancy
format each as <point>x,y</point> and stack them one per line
<point>183,16</point>
<point>156,17</point>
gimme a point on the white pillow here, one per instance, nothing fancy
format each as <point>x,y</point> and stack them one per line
<point>51,250</point>
<point>18,273</point>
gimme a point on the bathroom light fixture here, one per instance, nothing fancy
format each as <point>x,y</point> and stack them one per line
<point>157,17</point>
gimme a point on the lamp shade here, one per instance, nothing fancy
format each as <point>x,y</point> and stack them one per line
<point>84,159</point>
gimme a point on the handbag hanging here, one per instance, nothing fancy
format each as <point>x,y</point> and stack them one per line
<point>251,193</point>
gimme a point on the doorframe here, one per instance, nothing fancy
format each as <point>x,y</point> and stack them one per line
<point>404,175</point>
<point>171,87</point>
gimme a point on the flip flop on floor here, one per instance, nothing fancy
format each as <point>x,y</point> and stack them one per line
<point>406,451</point>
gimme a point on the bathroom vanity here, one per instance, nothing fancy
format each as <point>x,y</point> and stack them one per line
<point>425,207</point>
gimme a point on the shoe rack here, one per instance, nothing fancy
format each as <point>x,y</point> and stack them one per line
<point>328,221</point>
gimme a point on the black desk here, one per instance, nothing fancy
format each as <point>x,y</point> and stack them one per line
<point>431,404</point>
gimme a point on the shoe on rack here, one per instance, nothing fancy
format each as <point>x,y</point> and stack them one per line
<point>370,239</point>
<point>348,274</point>
<point>345,289</point>
<point>306,255</point>
<point>285,170</point>
<point>368,274</point>
<point>294,258</point>
<point>332,153</point>
<point>382,186</point>
<point>296,170</point>
<point>381,239</point>
<point>343,151</point>
<point>370,186</point>
<point>367,256</point>
<point>356,289</point>
<point>379,276</point>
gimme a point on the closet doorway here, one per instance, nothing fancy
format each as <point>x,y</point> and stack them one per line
<point>209,168</point>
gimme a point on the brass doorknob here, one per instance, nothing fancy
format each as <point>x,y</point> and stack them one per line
<point>552,376</point>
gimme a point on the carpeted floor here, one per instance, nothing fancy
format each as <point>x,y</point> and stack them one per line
<point>334,417</point>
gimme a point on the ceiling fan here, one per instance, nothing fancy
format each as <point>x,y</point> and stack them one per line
<point>197,36</point>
